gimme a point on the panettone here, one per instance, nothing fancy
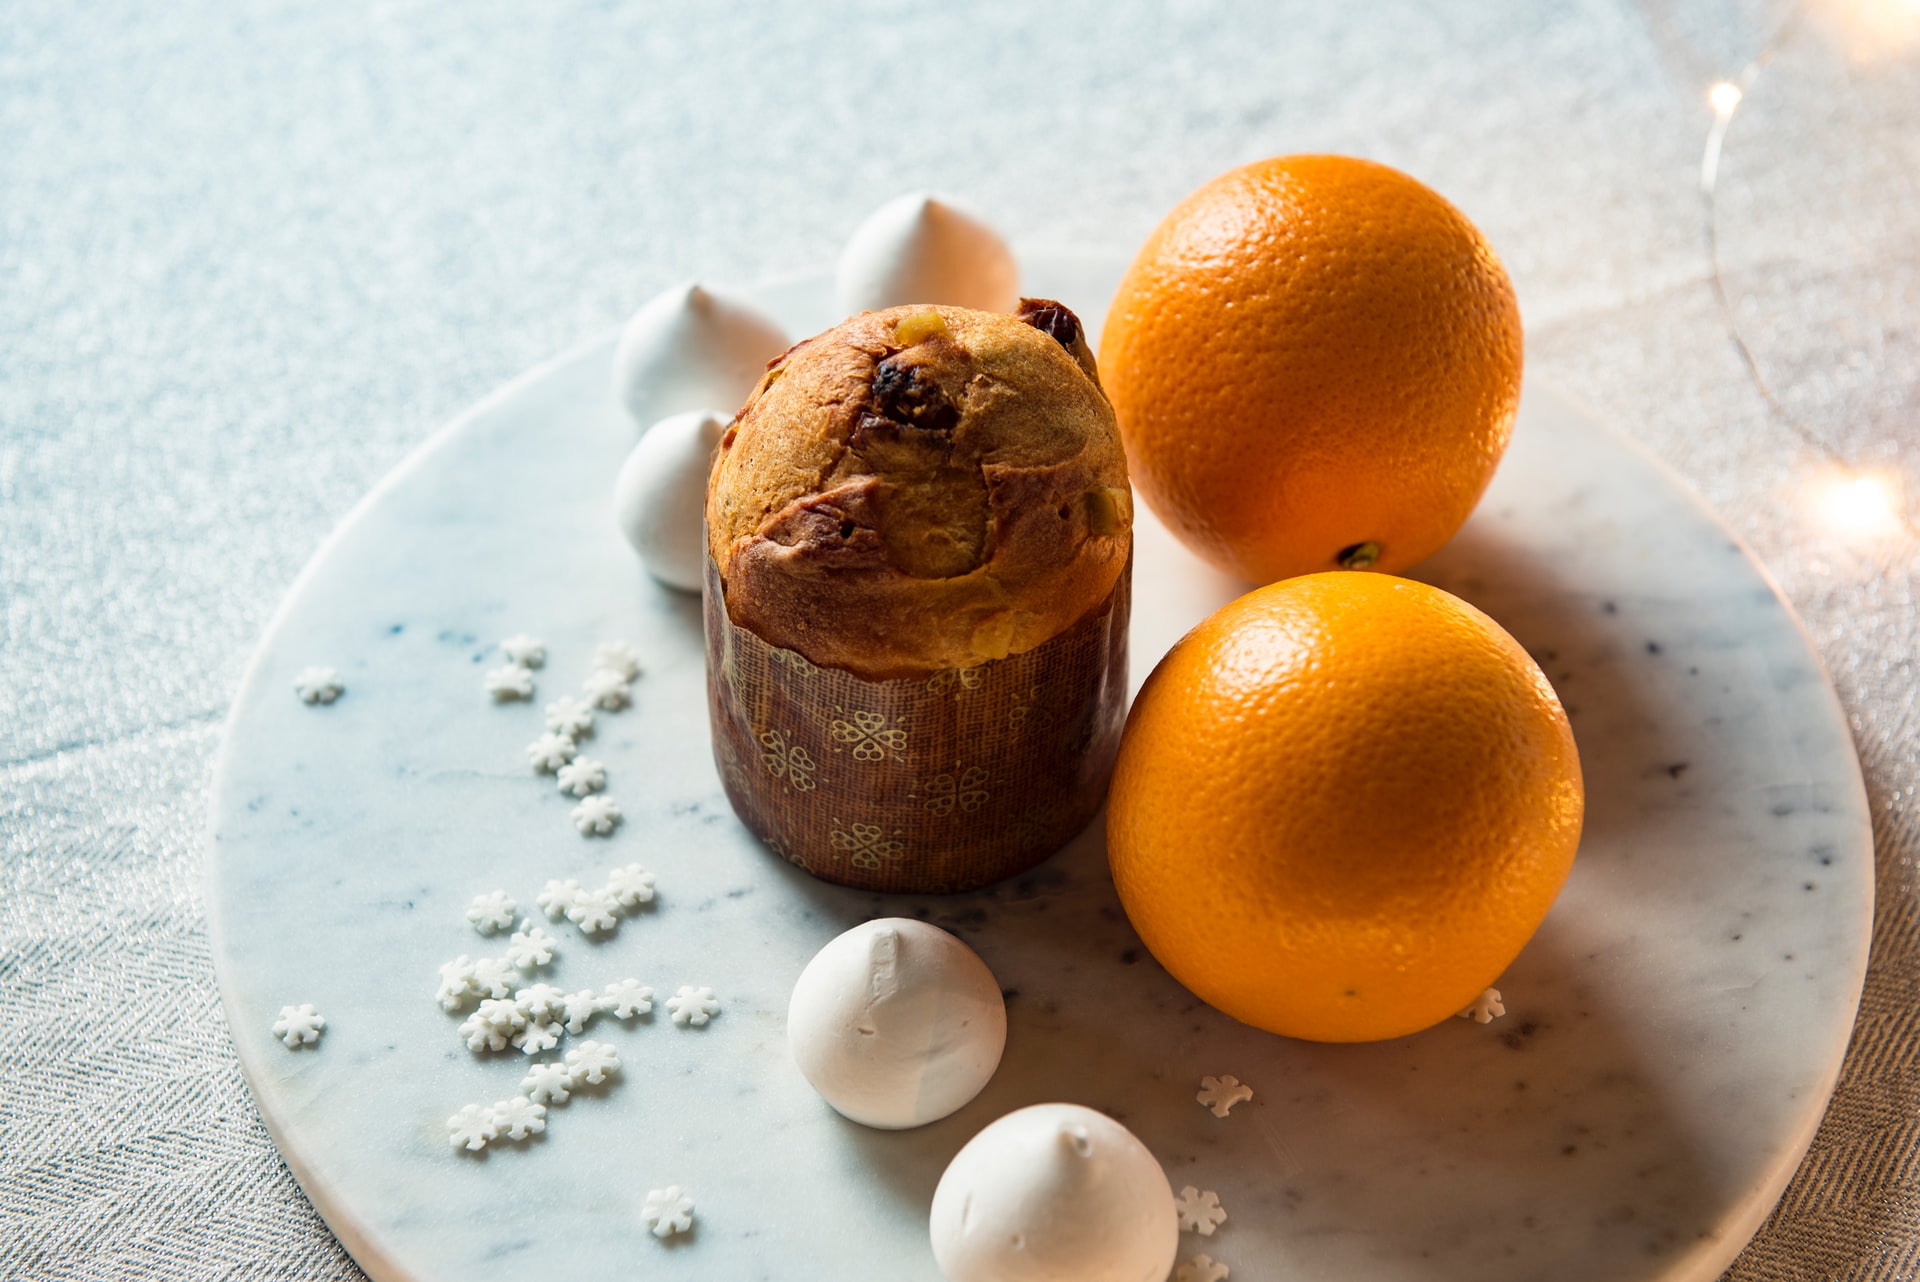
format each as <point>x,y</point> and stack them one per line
<point>916,597</point>
<point>922,488</point>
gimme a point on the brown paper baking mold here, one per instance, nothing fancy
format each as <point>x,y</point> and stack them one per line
<point>925,785</point>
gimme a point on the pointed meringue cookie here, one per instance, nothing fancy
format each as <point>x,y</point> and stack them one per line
<point>692,347</point>
<point>661,492</point>
<point>921,248</point>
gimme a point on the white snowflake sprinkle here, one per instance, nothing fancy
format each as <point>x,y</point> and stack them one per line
<point>472,1127</point>
<point>456,983</point>
<point>593,1062</point>
<point>579,1008</point>
<point>501,1012</point>
<point>594,911</point>
<point>608,690</point>
<point>540,1001</point>
<point>626,998</point>
<point>1221,1093</point>
<point>617,656</point>
<point>548,1083</point>
<point>631,886</point>
<point>530,946</point>
<point>539,1035</point>
<point>299,1025</point>
<point>491,911</point>
<point>1201,1268</point>
<point>318,685</point>
<point>1485,1008</point>
<point>482,1035</point>
<point>524,650</point>
<point>510,682</point>
<point>549,752</point>
<point>519,1117</point>
<point>692,1005</point>
<point>596,816</point>
<point>1199,1212</point>
<point>667,1211</point>
<point>581,776</point>
<point>570,716</point>
<point>557,897</point>
<point>494,977</point>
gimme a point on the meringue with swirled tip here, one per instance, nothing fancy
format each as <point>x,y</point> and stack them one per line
<point>896,1023</point>
<point>1054,1191</point>
<point>660,496</point>
<point>921,248</point>
<point>692,347</point>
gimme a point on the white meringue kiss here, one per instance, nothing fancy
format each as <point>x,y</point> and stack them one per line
<point>920,248</point>
<point>896,1023</point>
<point>661,491</point>
<point>1054,1191</point>
<point>690,348</point>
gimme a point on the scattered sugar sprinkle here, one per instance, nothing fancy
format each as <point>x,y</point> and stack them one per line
<point>592,1062</point>
<point>540,1001</point>
<point>491,911</point>
<point>530,946</point>
<point>318,685</point>
<point>594,911</point>
<point>534,1018</point>
<point>617,657</point>
<point>1485,1008</point>
<point>493,977</point>
<point>482,1031</point>
<point>299,1025</point>
<point>472,1127</point>
<point>1201,1268</point>
<point>570,716</point>
<point>631,885</point>
<point>556,897</point>
<point>456,983</point>
<point>550,752</point>
<point>667,1211</point>
<point>596,816</point>
<point>607,689</point>
<point>519,1117</point>
<point>580,1008</point>
<point>523,650</point>
<point>510,682</point>
<point>539,1035</point>
<point>548,1083</point>
<point>692,1005</point>
<point>626,999</point>
<point>582,776</point>
<point>1199,1212</point>
<point>1221,1093</point>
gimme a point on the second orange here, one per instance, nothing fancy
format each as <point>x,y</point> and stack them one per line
<point>1315,363</point>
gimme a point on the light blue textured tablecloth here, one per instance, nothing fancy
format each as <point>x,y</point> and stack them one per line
<point>252,253</point>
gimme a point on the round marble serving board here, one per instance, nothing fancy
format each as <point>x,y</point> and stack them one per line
<point>1671,1034</point>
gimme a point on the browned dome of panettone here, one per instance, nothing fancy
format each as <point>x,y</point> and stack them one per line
<point>922,488</point>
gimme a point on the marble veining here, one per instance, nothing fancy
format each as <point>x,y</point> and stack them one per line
<point>1671,1037</point>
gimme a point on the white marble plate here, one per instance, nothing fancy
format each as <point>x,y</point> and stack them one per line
<point>1671,1038</point>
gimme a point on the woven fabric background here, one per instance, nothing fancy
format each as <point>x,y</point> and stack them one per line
<point>252,253</point>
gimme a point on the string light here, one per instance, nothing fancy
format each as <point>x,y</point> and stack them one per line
<point>1724,96</point>
<point>1858,505</point>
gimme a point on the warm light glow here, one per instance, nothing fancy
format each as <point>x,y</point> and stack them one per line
<point>1871,31</point>
<point>1724,96</point>
<point>1859,505</point>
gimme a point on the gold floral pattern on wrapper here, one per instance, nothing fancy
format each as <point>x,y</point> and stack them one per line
<point>933,784</point>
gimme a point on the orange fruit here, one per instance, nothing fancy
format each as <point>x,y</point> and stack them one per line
<point>1315,361</point>
<point>1343,804</point>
